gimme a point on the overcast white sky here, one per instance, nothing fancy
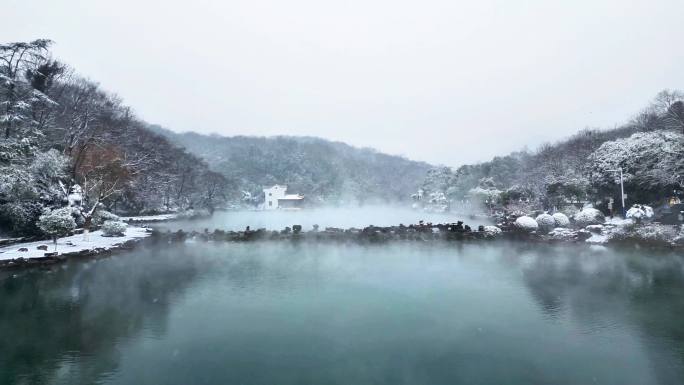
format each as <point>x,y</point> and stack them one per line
<point>448,81</point>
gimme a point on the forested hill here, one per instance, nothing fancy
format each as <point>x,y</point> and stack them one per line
<point>324,171</point>
<point>649,149</point>
<point>62,134</point>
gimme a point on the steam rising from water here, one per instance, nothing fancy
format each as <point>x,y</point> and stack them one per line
<point>358,217</point>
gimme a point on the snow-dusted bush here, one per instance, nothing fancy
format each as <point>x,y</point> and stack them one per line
<point>545,222</point>
<point>561,220</point>
<point>113,229</point>
<point>57,222</point>
<point>570,210</point>
<point>20,217</point>
<point>589,216</point>
<point>101,216</point>
<point>526,223</point>
<point>565,234</point>
<point>640,212</point>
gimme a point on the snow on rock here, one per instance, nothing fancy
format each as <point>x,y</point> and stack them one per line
<point>526,223</point>
<point>492,231</point>
<point>74,243</point>
<point>595,228</point>
<point>545,222</point>
<point>655,233</point>
<point>598,239</point>
<point>561,220</point>
<point>565,234</point>
<point>589,216</point>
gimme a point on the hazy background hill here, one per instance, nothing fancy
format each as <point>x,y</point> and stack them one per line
<point>324,171</point>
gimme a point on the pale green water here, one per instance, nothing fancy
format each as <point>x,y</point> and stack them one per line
<point>321,314</point>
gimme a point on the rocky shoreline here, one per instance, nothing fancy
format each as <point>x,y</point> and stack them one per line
<point>607,234</point>
<point>425,232</point>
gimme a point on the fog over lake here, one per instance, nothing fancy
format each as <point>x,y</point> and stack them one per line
<point>340,217</point>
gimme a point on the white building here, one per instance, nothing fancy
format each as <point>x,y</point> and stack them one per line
<point>277,197</point>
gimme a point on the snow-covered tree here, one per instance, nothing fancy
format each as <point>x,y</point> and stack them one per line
<point>669,105</point>
<point>17,60</point>
<point>57,222</point>
<point>651,162</point>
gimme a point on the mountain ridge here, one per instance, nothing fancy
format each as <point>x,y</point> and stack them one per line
<point>327,171</point>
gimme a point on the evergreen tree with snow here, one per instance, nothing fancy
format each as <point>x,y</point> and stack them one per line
<point>56,223</point>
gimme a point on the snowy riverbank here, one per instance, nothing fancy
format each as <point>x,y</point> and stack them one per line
<point>149,218</point>
<point>71,245</point>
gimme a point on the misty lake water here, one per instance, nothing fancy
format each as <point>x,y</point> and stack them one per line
<point>342,217</point>
<point>403,313</point>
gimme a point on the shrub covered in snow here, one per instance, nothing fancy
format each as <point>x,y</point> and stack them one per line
<point>526,223</point>
<point>101,216</point>
<point>640,212</point>
<point>589,216</point>
<point>561,220</point>
<point>545,222</point>
<point>113,229</point>
<point>570,210</point>
<point>20,217</point>
<point>57,222</point>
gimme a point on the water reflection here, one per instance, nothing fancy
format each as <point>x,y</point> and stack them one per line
<point>52,322</point>
<point>281,313</point>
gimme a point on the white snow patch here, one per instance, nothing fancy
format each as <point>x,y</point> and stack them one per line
<point>93,241</point>
<point>150,218</point>
<point>492,231</point>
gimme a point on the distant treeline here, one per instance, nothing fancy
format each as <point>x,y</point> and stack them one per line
<point>324,171</point>
<point>59,130</point>
<point>649,149</point>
